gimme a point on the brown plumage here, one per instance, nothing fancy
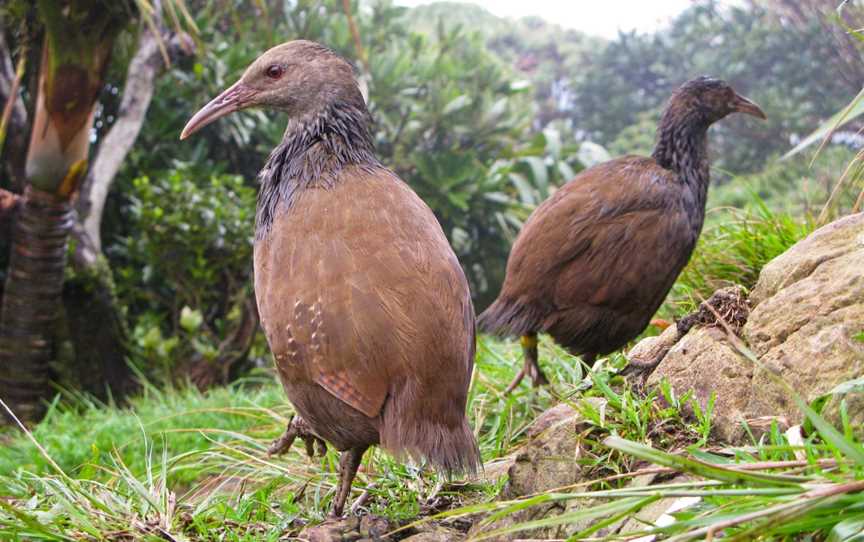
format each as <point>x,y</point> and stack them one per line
<point>594,261</point>
<point>363,302</point>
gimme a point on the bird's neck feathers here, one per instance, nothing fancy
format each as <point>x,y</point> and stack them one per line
<point>313,152</point>
<point>682,147</point>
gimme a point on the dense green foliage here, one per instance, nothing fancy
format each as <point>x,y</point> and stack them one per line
<point>179,224</point>
<point>747,46</point>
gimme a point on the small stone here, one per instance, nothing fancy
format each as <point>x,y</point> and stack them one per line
<point>349,529</point>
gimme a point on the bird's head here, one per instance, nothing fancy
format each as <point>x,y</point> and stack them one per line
<point>300,78</point>
<point>711,99</point>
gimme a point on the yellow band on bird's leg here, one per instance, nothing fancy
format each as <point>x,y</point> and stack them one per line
<point>528,341</point>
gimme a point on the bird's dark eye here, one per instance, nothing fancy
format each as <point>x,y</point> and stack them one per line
<point>275,71</point>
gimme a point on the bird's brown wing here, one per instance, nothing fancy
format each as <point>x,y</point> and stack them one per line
<point>359,291</point>
<point>600,238</point>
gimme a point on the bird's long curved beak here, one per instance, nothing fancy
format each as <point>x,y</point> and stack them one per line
<point>233,99</point>
<point>748,107</point>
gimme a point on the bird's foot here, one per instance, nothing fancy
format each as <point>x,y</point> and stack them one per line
<point>533,371</point>
<point>298,428</point>
<point>515,382</point>
<point>537,377</point>
<point>349,462</point>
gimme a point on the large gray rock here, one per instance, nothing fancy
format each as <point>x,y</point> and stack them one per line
<point>806,309</point>
<point>809,304</point>
<point>705,362</point>
<point>547,461</point>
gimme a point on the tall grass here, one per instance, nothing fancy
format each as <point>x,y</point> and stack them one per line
<point>179,464</point>
<point>733,250</point>
<point>194,464</point>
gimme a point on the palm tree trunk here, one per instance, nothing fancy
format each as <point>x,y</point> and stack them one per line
<point>79,36</point>
<point>30,303</point>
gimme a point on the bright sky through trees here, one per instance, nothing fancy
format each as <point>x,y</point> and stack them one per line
<point>595,17</point>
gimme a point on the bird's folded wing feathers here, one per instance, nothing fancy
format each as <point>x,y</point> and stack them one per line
<point>595,240</point>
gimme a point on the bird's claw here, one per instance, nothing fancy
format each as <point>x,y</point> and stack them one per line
<point>532,371</point>
<point>537,377</point>
<point>297,428</point>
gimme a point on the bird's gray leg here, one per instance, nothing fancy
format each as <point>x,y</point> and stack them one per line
<point>297,428</point>
<point>532,361</point>
<point>515,382</point>
<point>349,462</point>
<point>531,366</point>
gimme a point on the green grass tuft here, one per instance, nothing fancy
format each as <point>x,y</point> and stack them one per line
<point>734,247</point>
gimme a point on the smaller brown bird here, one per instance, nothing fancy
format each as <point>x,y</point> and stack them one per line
<point>363,302</point>
<point>594,261</point>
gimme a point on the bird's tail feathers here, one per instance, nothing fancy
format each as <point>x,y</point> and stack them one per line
<point>508,318</point>
<point>450,447</point>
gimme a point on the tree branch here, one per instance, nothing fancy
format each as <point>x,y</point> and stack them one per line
<point>15,147</point>
<point>145,67</point>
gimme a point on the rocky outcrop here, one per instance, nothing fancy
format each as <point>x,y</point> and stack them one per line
<point>804,314</point>
<point>549,460</point>
<point>705,362</point>
<point>809,305</point>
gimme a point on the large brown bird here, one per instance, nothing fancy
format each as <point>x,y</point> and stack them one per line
<point>594,261</point>
<point>362,300</point>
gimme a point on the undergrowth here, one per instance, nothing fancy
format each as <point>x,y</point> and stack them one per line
<point>177,464</point>
<point>182,461</point>
<point>194,464</point>
<point>734,247</point>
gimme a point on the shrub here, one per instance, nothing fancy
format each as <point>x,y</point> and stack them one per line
<point>184,269</point>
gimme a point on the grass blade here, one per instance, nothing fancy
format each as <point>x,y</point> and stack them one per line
<point>692,466</point>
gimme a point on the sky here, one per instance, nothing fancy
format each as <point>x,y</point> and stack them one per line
<point>594,17</point>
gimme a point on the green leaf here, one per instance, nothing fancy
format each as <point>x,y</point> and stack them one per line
<point>566,171</point>
<point>190,319</point>
<point>828,433</point>
<point>568,518</point>
<point>707,470</point>
<point>850,386</point>
<point>526,194</point>
<point>456,104</point>
<point>848,530</point>
<point>538,171</point>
